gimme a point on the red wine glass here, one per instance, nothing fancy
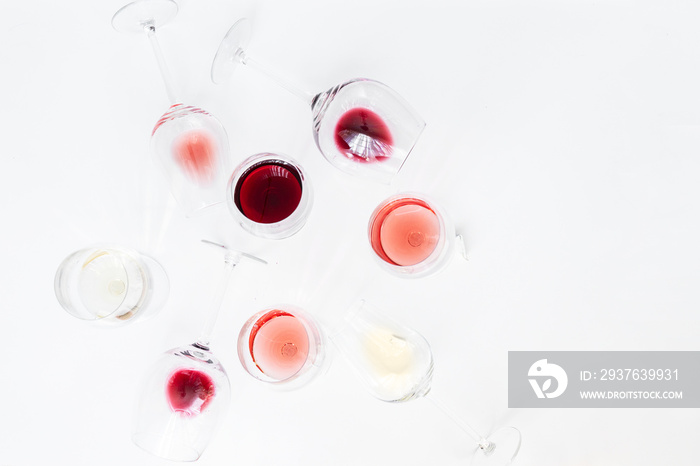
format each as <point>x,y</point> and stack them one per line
<point>269,195</point>
<point>190,145</point>
<point>111,285</point>
<point>186,392</point>
<point>282,346</point>
<point>411,236</point>
<point>395,364</point>
<point>361,126</point>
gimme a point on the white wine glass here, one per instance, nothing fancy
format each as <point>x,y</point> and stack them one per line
<point>395,363</point>
<point>361,126</point>
<point>111,285</point>
<point>189,144</point>
<point>186,392</point>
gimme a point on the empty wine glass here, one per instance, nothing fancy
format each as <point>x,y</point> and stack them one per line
<point>396,365</point>
<point>269,195</point>
<point>189,144</point>
<point>283,346</point>
<point>361,126</point>
<point>111,284</point>
<point>186,392</point>
<point>412,237</point>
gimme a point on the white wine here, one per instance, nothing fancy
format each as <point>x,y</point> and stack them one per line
<point>394,363</point>
<point>111,284</point>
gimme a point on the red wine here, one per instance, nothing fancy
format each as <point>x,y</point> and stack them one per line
<point>279,344</point>
<point>189,391</point>
<point>404,232</point>
<point>363,136</point>
<point>269,191</point>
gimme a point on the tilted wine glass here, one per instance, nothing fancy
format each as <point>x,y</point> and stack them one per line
<point>189,144</point>
<point>111,284</point>
<point>187,391</point>
<point>283,346</point>
<point>412,237</point>
<point>361,126</point>
<point>396,364</point>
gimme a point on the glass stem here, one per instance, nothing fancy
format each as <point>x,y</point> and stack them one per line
<point>304,95</point>
<point>162,65</point>
<point>486,446</point>
<point>205,335</point>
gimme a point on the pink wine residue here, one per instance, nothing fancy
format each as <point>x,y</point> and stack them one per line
<point>195,152</point>
<point>363,136</point>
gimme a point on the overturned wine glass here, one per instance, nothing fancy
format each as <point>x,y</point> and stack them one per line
<point>189,144</point>
<point>186,393</point>
<point>395,363</point>
<point>361,126</point>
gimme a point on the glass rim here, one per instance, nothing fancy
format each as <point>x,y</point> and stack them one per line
<point>149,268</point>
<point>433,262</point>
<point>313,333</point>
<point>109,249</point>
<point>275,230</point>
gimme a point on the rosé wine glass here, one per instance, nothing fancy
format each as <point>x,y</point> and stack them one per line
<point>190,145</point>
<point>361,126</point>
<point>111,285</point>
<point>411,237</point>
<point>283,346</point>
<point>186,392</point>
<point>395,363</point>
<point>269,195</point>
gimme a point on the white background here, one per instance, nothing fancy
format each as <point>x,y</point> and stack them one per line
<point>562,138</point>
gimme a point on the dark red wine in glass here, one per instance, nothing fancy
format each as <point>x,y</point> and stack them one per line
<point>269,191</point>
<point>189,391</point>
<point>363,136</point>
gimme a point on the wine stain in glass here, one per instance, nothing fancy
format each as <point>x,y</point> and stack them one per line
<point>405,232</point>
<point>195,151</point>
<point>279,344</point>
<point>268,192</point>
<point>189,391</point>
<point>363,136</point>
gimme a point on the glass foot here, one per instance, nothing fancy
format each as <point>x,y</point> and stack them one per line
<point>505,447</point>
<point>141,13</point>
<point>227,57</point>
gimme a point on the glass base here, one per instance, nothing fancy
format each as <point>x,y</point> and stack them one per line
<point>137,15</point>
<point>228,55</point>
<point>505,447</point>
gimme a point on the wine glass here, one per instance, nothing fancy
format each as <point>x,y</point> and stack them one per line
<point>189,144</point>
<point>361,126</point>
<point>412,237</point>
<point>111,284</point>
<point>283,346</point>
<point>396,365</point>
<point>269,195</point>
<point>186,392</point>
